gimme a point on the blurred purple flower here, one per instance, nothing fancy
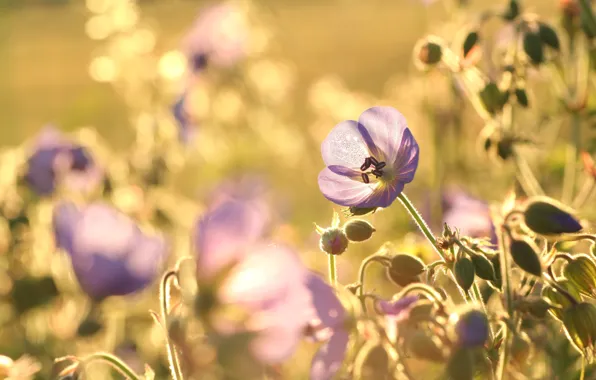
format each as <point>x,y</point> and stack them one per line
<point>395,311</point>
<point>266,280</point>
<point>55,160</point>
<point>471,328</point>
<point>248,187</point>
<point>218,36</point>
<point>110,254</point>
<point>468,214</point>
<point>369,161</point>
<point>187,128</point>
<point>328,317</point>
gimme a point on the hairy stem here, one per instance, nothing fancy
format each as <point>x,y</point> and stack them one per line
<point>173,359</point>
<point>505,275</point>
<point>114,362</point>
<point>569,177</point>
<point>332,268</point>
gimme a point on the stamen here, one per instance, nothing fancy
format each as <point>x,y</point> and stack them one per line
<point>377,173</point>
<point>380,165</point>
<point>366,164</point>
<point>365,178</point>
<point>374,161</point>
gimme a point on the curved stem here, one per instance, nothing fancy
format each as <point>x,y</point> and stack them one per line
<point>362,271</point>
<point>582,374</point>
<point>436,297</point>
<point>113,361</point>
<point>421,224</point>
<point>175,369</point>
<point>332,268</point>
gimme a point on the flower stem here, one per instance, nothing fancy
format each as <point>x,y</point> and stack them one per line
<point>478,296</point>
<point>175,369</point>
<point>113,361</point>
<point>332,270</point>
<point>505,275</point>
<point>362,271</point>
<point>421,224</point>
<point>569,177</point>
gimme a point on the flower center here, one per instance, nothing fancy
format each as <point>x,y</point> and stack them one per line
<point>371,166</point>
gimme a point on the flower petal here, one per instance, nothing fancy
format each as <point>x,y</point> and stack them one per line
<point>327,307</point>
<point>64,219</point>
<point>345,146</point>
<point>383,196</point>
<point>385,125</point>
<point>342,189</point>
<point>406,161</point>
<point>275,345</point>
<point>328,360</point>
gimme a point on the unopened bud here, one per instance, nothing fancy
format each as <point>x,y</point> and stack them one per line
<point>581,271</point>
<point>548,36</point>
<point>464,273</point>
<point>492,98</point>
<point>470,327</point>
<point>580,326</point>
<point>427,52</point>
<point>334,241</point>
<point>407,265</point>
<point>423,345</point>
<point>545,216</point>
<point>471,40</point>
<point>358,230</point>
<point>484,268</point>
<point>556,298</point>
<point>533,47</point>
<point>401,279</point>
<point>524,255</point>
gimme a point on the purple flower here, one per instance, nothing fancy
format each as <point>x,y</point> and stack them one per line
<point>470,215</point>
<point>186,126</point>
<point>471,328</point>
<point>55,161</point>
<point>218,36</point>
<point>368,161</point>
<point>395,311</point>
<point>329,317</point>
<point>110,254</point>
<point>266,280</point>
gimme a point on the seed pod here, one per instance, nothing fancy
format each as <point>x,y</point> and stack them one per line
<point>524,255</point>
<point>484,268</point>
<point>547,217</point>
<point>522,97</point>
<point>558,299</point>
<point>333,241</point>
<point>464,273</point>
<point>461,365</point>
<point>533,47</point>
<point>407,265</point>
<point>582,273</point>
<point>580,327</point>
<point>358,230</point>
<point>548,36</point>
<point>512,11</point>
<point>400,279</point>
<point>471,40</point>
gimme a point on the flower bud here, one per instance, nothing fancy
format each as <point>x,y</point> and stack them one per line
<point>484,268</point>
<point>464,273</point>
<point>492,98</point>
<point>333,241</point>
<point>558,299</point>
<point>471,40</point>
<point>358,230</point>
<point>548,36</point>
<point>581,271</point>
<point>522,97</point>
<point>461,365</point>
<point>512,11</point>
<point>428,53</point>
<point>580,326</point>
<point>533,47</point>
<point>524,255</point>
<point>470,327</point>
<point>423,345</point>
<point>89,327</point>
<point>548,217</point>
<point>400,279</point>
<point>407,265</point>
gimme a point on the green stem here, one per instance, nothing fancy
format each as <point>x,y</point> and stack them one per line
<point>421,224</point>
<point>505,271</point>
<point>573,148</point>
<point>113,361</point>
<point>588,13</point>
<point>175,369</point>
<point>525,176</point>
<point>362,271</point>
<point>332,270</point>
<point>478,295</point>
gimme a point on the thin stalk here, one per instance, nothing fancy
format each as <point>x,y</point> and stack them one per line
<point>584,193</point>
<point>478,296</point>
<point>362,271</point>
<point>525,176</point>
<point>113,361</point>
<point>582,374</point>
<point>173,359</point>
<point>421,223</point>
<point>569,177</point>
<point>505,275</point>
<point>332,268</point>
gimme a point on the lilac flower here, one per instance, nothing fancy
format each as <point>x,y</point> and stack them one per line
<point>110,254</point>
<point>55,160</point>
<point>186,126</point>
<point>218,36</point>
<point>267,281</point>
<point>470,215</point>
<point>395,311</point>
<point>368,161</point>
<point>329,317</point>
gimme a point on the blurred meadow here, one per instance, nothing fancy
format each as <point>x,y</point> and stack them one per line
<point>107,73</point>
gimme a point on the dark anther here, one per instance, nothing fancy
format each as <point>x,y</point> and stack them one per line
<point>380,165</point>
<point>374,161</point>
<point>377,173</point>
<point>365,178</point>
<point>366,164</point>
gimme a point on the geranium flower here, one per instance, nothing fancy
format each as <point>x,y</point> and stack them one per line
<point>370,160</point>
<point>468,214</point>
<point>218,36</point>
<point>266,280</point>
<point>110,254</point>
<point>55,160</point>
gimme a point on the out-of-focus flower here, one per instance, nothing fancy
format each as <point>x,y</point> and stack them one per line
<point>468,214</point>
<point>110,254</point>
<point>470,327</point>
<point>265,280</point>
<point>55,161</point>
<point>328,321</point>
<point>186,126</point>
<point>368,161</point>
<point>218,36</point>
<point>395,311</point>
<point>23,368</point>
<point>251,188</point>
